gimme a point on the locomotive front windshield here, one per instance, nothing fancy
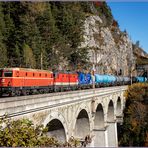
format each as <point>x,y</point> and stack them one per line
<point>8,74</point>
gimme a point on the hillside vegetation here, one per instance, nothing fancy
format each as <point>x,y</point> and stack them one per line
<point>44,35</point>
<point>135,126</point>
<point>141,60</point>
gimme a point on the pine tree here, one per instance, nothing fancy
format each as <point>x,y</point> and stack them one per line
<point>29,57</point>
<point>3,51</point>
<point>30,31</point>
<point>49,34</point>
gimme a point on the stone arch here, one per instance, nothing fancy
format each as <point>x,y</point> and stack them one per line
<point>57,126</point>
<point>82,124</point>
<point>77,111</point>
<point>110,112</point>
<point>118,106</point>
<point>99,117</point>
<point>56,129</point>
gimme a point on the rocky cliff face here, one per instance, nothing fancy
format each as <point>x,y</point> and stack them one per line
<point>141,61</point>
<point>138,51</point>
<point>110,50</point>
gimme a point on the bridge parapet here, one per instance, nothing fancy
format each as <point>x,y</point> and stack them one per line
<point>24,104</point>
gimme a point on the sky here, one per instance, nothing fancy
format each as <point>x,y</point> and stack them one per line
<point>132,16</point>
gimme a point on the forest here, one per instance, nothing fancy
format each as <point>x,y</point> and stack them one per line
<point>45,35</point>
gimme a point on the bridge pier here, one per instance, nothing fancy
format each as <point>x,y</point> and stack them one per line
<point>112,134</point>
<point>100,138</point>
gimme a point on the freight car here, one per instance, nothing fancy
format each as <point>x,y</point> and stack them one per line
<point>104,80</point>
<point>84,80</point>
<point>139,79</point>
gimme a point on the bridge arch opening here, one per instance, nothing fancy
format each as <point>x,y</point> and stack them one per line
<point>56,129</point>
<point>118,108</point>
<point>110,113</point>
<point>82,126</point>
<point>99,117</point>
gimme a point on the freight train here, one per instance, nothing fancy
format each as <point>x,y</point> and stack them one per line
<point>23,81</point>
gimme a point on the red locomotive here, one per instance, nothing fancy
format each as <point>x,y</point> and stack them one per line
<point>23,81</point>
<point>65,81</point>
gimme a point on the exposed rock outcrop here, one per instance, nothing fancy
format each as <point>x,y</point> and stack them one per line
<point>110,50</point>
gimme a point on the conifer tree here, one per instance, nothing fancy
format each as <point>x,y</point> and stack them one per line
<point>3,51</point>
<point>29,57</point>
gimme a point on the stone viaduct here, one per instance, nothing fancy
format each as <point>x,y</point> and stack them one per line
<point>93,112</point>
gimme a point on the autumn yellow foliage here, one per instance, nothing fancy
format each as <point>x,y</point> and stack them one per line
<point>135,125</point>
<point>137,92</point>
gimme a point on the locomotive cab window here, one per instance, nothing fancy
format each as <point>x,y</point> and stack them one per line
<point>8,74</point>
<point>1,73</point>
<point>55,75</point>
<point>17,74</point>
